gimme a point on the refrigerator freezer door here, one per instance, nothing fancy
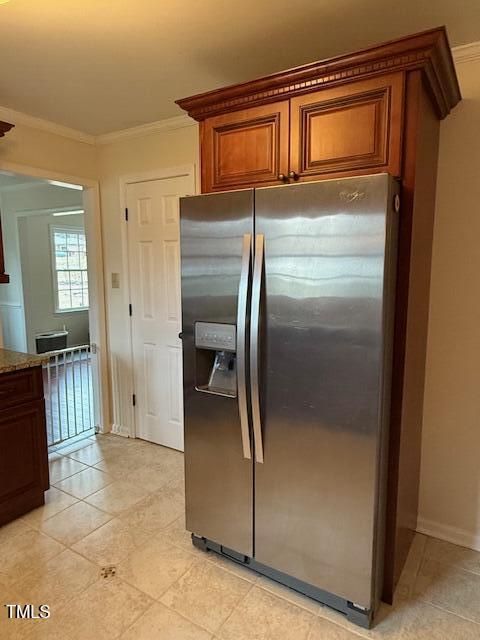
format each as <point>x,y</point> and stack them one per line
<point>218,473</point>
<point>322,356</point>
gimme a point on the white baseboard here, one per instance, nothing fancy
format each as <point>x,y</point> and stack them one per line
<point>120,430</point>
<point>449,534</point>
<point>100,429</point>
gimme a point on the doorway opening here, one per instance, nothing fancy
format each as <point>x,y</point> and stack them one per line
<point>45,307</point>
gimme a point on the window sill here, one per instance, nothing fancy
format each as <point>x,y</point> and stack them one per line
<point>61,312</point>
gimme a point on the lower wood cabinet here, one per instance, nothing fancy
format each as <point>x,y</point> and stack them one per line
<point>23,443</point>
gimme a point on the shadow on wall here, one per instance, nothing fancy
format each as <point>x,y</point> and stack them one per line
<point>450,485</point>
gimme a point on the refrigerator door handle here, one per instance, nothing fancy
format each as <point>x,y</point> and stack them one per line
<point>254,346</point>
<point>241,341</point>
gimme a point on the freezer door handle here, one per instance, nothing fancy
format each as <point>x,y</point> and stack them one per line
<point>255,345</point>
<point>241,341</point>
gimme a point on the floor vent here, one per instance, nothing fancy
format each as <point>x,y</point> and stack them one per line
<point>108,572</point>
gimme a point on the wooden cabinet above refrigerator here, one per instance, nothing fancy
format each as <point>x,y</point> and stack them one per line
<point>339,117</point>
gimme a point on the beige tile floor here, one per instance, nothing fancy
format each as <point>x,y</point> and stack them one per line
<point>120,502</point>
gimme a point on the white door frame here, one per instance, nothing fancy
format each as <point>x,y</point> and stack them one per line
<point>188,171</point>
<point>96,313</point>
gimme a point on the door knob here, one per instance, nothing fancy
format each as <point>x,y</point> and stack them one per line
<point>293,175</point>
<point>282,177</point>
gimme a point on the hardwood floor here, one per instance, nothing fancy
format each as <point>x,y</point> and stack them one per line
<point>68,396</point>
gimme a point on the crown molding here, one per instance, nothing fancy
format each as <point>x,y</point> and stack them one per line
<point>466,52</point>
<point>17,117</point>
<point>169,124</point>
<point>428,52</point>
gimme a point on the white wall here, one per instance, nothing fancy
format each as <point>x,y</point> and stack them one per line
<point>25,145</point>
<point>38,283</point>
<point>450,481</point>
<point>161,150</point>
<point>24,301</point>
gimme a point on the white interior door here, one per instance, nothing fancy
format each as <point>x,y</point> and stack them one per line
<point>154,260</point>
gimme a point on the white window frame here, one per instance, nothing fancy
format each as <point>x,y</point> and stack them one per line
<point>63,229</point>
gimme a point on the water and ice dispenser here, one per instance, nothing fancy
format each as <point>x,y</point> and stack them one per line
<point>215,358</point>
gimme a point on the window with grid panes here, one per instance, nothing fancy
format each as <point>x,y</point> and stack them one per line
<point>70,269</point>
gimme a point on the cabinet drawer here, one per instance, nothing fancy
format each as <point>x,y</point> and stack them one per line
<point>353,128</point>
<point>245,148</point>
<point>18,387</point>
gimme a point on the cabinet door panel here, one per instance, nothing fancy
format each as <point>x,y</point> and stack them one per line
<point>354,128</point>
<point>23,458</point>
<point>245,148</point>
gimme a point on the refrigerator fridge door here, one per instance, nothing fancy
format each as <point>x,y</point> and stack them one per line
<point>323,349</point>
<point>216,235</point>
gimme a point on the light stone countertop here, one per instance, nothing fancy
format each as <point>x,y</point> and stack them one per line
<point>14,360</point>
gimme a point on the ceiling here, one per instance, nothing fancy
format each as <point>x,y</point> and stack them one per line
<point>103,65</point>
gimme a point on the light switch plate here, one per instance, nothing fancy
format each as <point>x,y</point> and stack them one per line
<point>115,281</point>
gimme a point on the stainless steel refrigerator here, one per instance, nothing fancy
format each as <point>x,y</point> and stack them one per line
<point>288,300</point>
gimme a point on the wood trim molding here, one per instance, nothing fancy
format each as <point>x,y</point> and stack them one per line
<point>5,128</point>
<point>466,52</point>
<point>169,124</point>
<point>160,126</point>
<point>428,51</point>
<point>33,122</point>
